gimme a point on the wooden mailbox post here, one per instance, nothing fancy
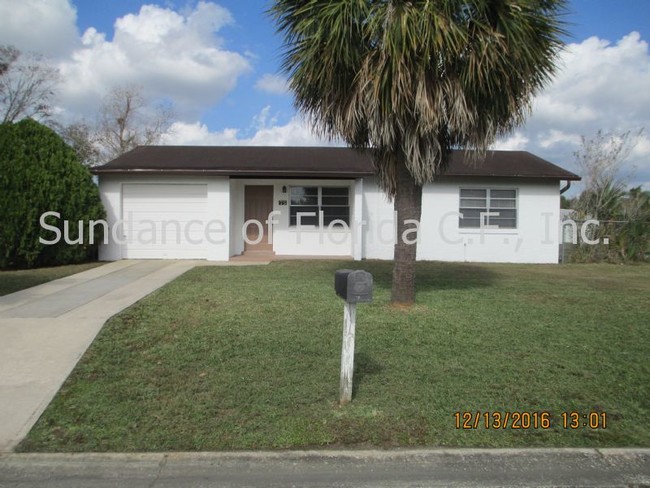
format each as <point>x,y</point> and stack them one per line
<point>354,287</point>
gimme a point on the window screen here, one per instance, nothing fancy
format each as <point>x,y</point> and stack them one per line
<point>474,202</point>
<point>334,202</point>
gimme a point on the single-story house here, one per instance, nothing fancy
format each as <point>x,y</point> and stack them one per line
<point>213,203</point>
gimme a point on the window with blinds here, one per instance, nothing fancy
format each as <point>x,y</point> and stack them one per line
<point>487,202</point>
<point>334,202</point>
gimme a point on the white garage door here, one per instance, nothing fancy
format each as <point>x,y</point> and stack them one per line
<point>164,221</point>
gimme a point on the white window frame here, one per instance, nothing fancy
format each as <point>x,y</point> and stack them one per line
<point>319,203</point>
<point>485,223</point>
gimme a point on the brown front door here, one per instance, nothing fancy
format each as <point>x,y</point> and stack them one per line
<point>258,204</point>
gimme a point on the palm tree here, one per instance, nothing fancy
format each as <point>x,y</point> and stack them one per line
<point>414,79</point>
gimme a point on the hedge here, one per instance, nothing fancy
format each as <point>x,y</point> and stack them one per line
<point>40,173</point>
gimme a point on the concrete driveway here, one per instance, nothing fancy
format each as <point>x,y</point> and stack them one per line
<point>45,330</point>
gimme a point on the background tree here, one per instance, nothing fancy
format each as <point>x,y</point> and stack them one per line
<point>82,138</point>
<point>624,215</point>
<point>126,120</point>
<point>600,161</point>
<point>631,241</point>
<point>40,173</point>
<point>566,202</point>
<point>415,79</point>
<point>27,84</point>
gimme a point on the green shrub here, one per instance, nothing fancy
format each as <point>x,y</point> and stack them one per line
<point>624,220</point>
<point>40,173</point>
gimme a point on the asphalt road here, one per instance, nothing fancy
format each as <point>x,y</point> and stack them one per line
<point>413,468</point>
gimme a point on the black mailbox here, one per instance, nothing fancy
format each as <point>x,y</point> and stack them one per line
<point>353,286</point>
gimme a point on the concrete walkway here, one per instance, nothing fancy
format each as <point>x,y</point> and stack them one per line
<point>401,468</point>
<point>45,330</point>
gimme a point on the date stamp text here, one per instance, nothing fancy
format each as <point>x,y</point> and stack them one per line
<point>529,420</point>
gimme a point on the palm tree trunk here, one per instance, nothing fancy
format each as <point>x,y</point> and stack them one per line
<point>408,205</point>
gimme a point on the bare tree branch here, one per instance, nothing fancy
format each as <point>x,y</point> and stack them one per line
<point>126,120</point>
<point>8,55</point>
<point>27,84</point>
<point>81,137</point>
<point>601,161</point>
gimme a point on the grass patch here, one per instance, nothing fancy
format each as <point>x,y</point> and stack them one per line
<point>13,281</point>
<point>248,358</point>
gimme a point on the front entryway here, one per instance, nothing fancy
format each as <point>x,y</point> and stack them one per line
<point>258,204</point>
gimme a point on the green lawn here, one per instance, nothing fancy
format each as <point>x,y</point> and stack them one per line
<point>248,358</point>
<point>12,281</point>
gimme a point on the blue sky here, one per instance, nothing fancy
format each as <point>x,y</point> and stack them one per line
<point>218,62</point>
<point>254,31</point>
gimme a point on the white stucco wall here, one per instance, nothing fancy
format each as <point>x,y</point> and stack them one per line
<point>371,235</point>
<point>110,191</point>
<point>378,222</point>
<point>535,240</point>
<point>218,211</point>
<point>237,217</point>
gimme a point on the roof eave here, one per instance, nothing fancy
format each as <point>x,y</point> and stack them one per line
<point>564,177</point>
<point>248,173</point>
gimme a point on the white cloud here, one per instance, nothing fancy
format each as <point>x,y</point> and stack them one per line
<point>267,132</point>
<point>46,27</point>
<point>601,85</point>
<point>264,119</point>
<point>294,133</point>
<point>642,148</point>
<point>554,137</point>
<point>170,55</point>
<point>516,142</point>
<point>273,84</point>
<point>198,134</point>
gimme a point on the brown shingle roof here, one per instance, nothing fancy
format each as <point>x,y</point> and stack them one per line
<point>318,162</point>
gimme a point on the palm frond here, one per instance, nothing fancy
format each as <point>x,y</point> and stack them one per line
<point>415,79</point>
